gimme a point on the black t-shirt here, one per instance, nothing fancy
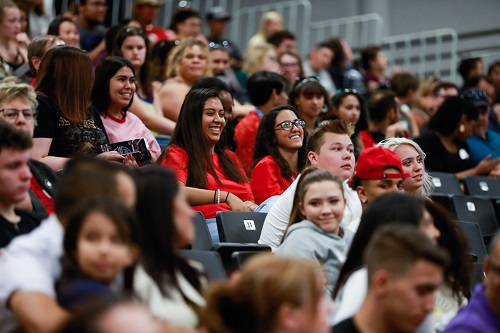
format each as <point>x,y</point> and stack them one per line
<point>10,230</point>
<point>68,139</point>
<point>439,159</point>
<point>345,326</point>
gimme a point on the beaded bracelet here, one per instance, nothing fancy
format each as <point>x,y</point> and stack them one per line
<point>218,196</point>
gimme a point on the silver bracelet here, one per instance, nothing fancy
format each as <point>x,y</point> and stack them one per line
<point>218,196</point>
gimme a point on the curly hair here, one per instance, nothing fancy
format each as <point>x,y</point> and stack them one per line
<point>176,55</point>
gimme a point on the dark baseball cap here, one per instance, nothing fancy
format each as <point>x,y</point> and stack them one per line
<point>476,96</point>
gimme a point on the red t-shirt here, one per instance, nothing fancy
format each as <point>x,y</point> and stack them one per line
<point>367,139</point>
<point>245,134</point>
<point>177,159</point>
<point>156,33</point>
<point>267,180</point>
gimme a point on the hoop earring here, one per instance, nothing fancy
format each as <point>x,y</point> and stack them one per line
<point>462,128</point>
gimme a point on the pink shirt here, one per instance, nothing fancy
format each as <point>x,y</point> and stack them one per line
<point>128,128</point>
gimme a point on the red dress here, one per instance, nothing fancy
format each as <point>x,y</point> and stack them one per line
<point>267,180</point>
<point>177,159</point>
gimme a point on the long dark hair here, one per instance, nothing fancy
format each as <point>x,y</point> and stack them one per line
<point>122,217</point>
<point>388,208</point>
<point>144,75</point>
<point>157,188</point>
<point>309,87</point>
<point>266,144</point>
<point>458,273</point>
<point>337,99</point>
<point>211,82</point>
<point>103,74</point>
<point>189,136</point>
<point>447,118</point>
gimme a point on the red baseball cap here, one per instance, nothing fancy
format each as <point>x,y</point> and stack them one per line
<point>372,162</point>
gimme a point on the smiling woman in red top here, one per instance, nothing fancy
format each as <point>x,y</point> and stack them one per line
<point>279,152</point>
<point>214,178</point>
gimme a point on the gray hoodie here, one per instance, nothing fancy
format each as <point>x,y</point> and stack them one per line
<point>307,241</point>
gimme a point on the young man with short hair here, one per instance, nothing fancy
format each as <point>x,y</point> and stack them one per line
<point>319,60</point>
<point>30,265</point>
<point>15,179</point>
<point>90,24</point>
<point>484,142</point>
<point>283,40</point>
<point>405,268</point>
<point>378,171</point>
<point>384,119</point>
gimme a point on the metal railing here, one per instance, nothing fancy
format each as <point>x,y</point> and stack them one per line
<point>489,56</point>
<point>296,16</point>
<point>424,53</point>
<point>358,31</point>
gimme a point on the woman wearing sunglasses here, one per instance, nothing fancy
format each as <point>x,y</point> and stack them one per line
<point>279,152</point>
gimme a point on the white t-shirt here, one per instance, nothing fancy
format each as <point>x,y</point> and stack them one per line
<point>277,218</point>
<point>31,262</point>
<point>172,308</point>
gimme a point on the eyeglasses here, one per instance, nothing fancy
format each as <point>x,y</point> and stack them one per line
<point>288,124</point>
<point>12,114</point>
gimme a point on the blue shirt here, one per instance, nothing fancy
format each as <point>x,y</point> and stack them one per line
<point>479,148</point>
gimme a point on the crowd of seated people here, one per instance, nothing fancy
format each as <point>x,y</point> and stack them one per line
<point>112,137</point>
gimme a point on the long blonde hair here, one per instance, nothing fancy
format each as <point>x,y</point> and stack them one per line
<point>264,22</point>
